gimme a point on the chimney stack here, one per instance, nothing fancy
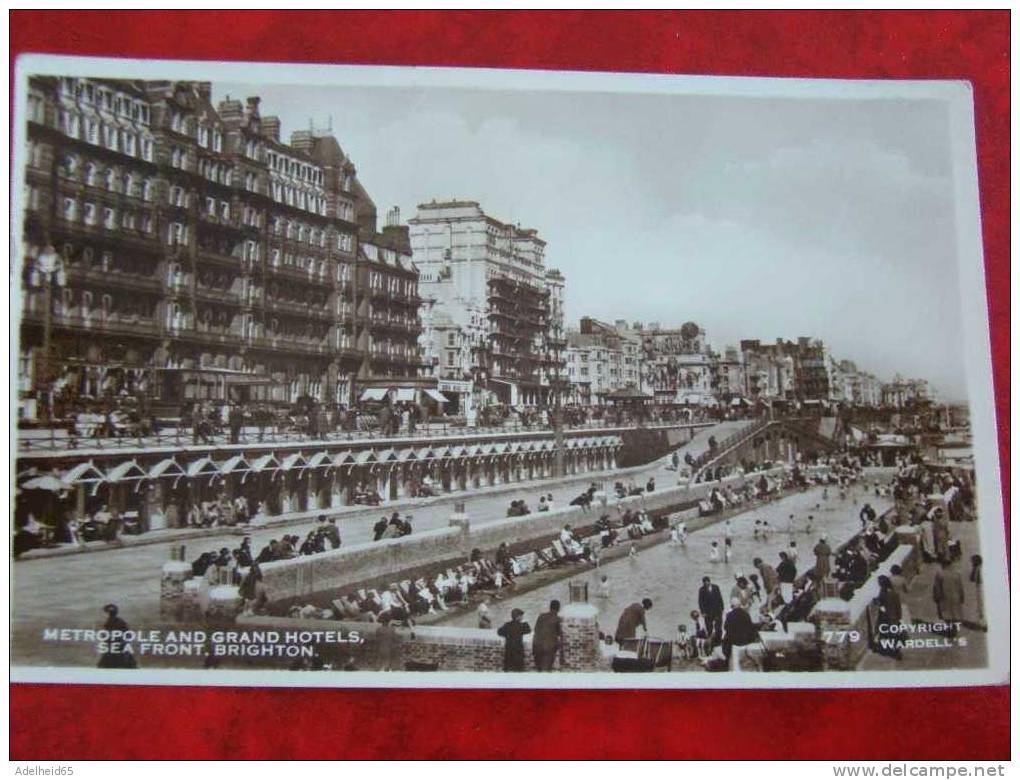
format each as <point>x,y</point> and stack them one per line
<point>271,128</point>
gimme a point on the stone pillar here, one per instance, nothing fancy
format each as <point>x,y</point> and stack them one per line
<point>459,519</point>
<point>193,598</point>
<point>224,603</point>
<point>171,589</point>
<point>581,651</point>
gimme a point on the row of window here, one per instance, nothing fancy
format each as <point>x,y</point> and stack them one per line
<point>110,218</point>
<point>105,99</point>
<point>298,197</point>
<point>98,133</point>
<point>296,169</point>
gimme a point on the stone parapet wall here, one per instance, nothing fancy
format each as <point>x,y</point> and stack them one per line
<point>303,577</point>
<point>446,648</point>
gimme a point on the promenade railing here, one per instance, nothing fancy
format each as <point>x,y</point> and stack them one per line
<point>42,440</point>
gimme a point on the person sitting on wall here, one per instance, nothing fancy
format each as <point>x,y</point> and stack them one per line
<point>542,505</point>
<point>379,529</point>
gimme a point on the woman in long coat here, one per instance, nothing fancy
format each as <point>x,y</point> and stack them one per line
<point>948,594</point>
<point>514,632</point>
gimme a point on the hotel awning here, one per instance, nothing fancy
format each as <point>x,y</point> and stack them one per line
<point>374,394</point>
<point>435,395</point>
<point>405,394</point>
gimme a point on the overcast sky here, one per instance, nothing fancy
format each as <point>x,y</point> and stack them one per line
<point>754,218</point>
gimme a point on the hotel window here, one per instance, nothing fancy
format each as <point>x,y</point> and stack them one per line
<point>110,137</point>
<point>129,143</point>
<point>175,196</point>
<point>109,218</point>
<point>147,190</point>
<point>217,141</point>
<point>210,207</point>
<point>144,113</point>
<point>176,234</point>
<point>147,149</point>
<point>224,210</point>
<point>146,223</point>
<point>91,174</point>
<point>176,122</point>
<point>128,184</point>
<point>128,219</point>
<point>203,136</point>
<point>177,158</point>
<point>90,213</point>
<point>35,108</point>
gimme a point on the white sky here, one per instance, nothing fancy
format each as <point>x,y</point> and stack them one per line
<point>755,218</point>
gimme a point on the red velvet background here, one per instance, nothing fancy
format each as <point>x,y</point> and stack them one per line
<point>78,722</point>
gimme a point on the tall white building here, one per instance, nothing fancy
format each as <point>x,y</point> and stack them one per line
<point>486,286</point>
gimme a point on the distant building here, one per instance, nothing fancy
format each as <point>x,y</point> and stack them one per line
<point>601,358</point>
<point>677,365</point>
<point>490,280</point>
<point>901,393</point>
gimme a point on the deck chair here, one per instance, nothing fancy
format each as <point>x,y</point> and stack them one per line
<point>659,651</point>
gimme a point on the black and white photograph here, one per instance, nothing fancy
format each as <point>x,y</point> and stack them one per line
<point>413,377</point>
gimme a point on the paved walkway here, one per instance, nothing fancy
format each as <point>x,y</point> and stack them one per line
<point>970,648</point>
<point>70,590</point>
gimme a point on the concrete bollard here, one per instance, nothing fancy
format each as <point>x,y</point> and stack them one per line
<point>191,602</point>
<point>171,589</point>
<point>225,603</point>
<point>581,651</point>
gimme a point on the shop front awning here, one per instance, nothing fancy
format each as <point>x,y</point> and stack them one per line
<point>435,395</point>
<point>201,465</point>
<point>317,460</point>
<point>83,473</point>
<point>234,463</point>
<point>46,482</point>
<point>264,463</point>
<point>125,472</point>
<point>374,394</point>
<point>405,394</point>
<point>292,461</point>
<point>166,468</point>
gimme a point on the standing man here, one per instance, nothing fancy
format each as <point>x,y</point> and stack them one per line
<point>632,617</point>
<point>822,554</point>
<point>514,631</point>
<point>739,629</point>
<point>548,639</point>
<point>330,531</point>
<point>710,604</point>
<point>236,421</point>
<point>948,594</point>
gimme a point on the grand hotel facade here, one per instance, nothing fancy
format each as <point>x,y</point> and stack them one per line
<point>175,250</point>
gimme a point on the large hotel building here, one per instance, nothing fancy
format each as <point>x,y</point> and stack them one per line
<point>493,312</point>
<point>176,250</point>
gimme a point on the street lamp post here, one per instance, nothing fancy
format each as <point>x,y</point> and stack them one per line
<point>48,264</point>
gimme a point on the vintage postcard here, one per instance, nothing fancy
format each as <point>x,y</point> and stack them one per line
<point>364,376</point>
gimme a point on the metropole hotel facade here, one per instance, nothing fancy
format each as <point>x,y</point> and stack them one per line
<point>187,253</point>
